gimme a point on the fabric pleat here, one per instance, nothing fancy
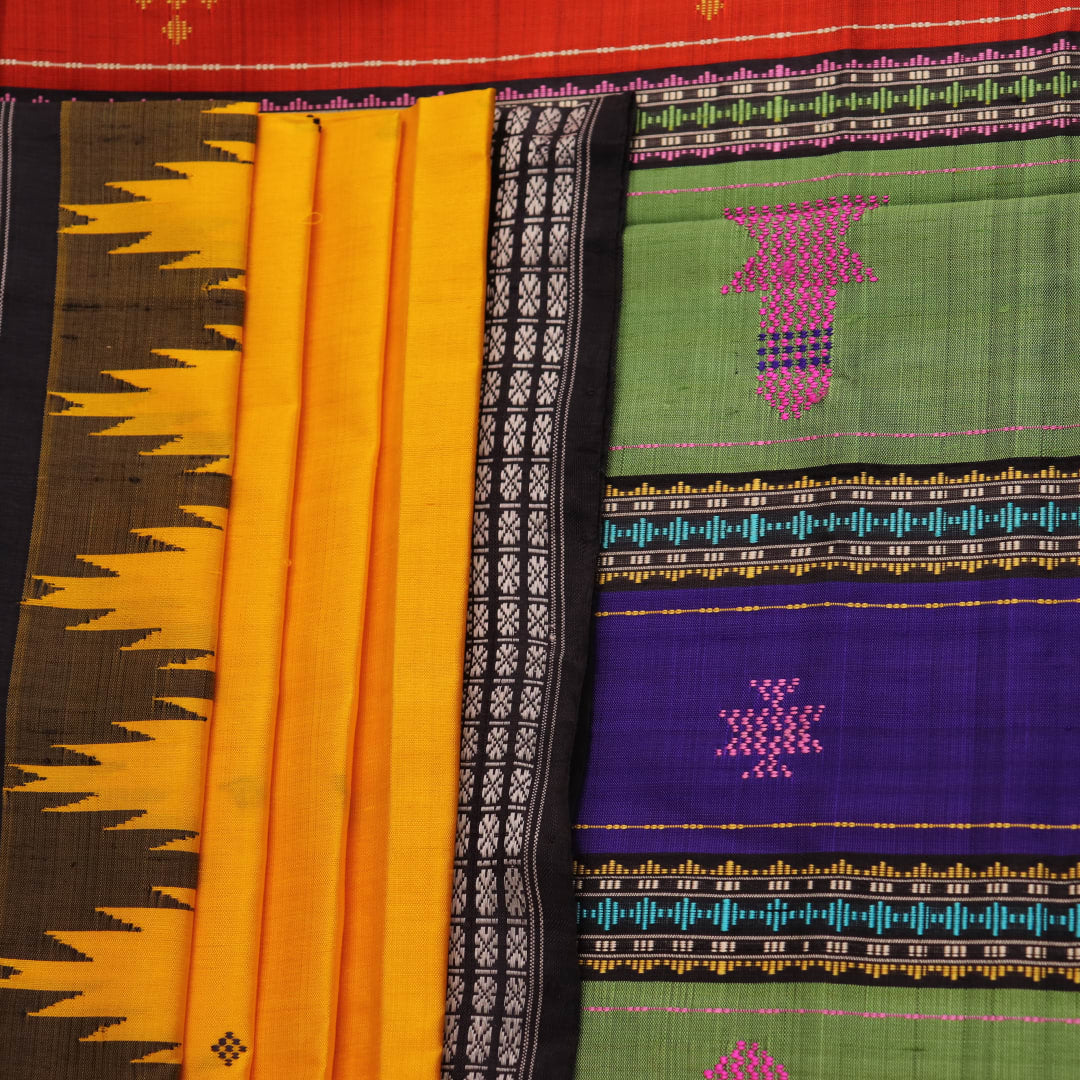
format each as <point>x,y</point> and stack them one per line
<point>29,196</point>
<point>332,511</point>
<point>402,825</point>
<point>246,891</point>
<point>232,853</point>
<point>112,681</point>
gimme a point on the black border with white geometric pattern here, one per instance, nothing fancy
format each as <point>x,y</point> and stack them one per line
<point>553,285</point>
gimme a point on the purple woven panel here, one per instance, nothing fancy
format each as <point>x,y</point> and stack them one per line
<point>872,705</point>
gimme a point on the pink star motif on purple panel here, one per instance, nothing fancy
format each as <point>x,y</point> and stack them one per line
<point>772,731</point>
<point>799,264</point>
<point>747,1063</point>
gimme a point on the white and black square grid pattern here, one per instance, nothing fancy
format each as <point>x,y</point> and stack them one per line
<point>537,226</point>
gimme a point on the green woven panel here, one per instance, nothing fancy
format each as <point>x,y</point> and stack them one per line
<point>666,1030</point>
<point>968,329</point>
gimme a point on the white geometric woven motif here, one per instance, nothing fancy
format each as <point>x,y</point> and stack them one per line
<point>493,979</point>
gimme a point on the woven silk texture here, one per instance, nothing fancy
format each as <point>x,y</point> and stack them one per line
<point>434,753</point>
<point>828,822</point>
<point>238,775</point>
<point>259,45</point>
<point>353,445</point>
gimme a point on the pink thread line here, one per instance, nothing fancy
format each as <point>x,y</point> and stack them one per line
<point>843,435</point>
<point>850,175</point>
<point>829,1012</point>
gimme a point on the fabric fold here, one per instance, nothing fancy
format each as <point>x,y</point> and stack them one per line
<point>402,824</point>
<point>331,526</point>
<point>220,1024</point>
<point>29,196</point>
<point>352,964</point>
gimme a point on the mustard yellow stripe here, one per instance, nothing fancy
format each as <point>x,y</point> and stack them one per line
<point>394,967</point>
<point>357,1050</point>
<point>749,571</point>
<point>959,870</point>
<point>331,528</point>
<point>874,968</point>
<point>225,949</point>
<point>954,475</point>
<point>193,214</point>
<point>1001,602</point>
<point>139,976</point>
<point>441,403</point>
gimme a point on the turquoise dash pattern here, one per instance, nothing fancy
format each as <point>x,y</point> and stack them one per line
<point>862,522</point>
<point>955,918</point>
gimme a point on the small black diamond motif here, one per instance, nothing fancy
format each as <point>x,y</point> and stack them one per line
<point>228,1048</point>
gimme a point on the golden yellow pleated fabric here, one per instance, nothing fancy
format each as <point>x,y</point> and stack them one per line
<point>331,526</point>
<point>228,915</point>
<point>401,832</point>
<point>362,944</point>
<point>323,907</point>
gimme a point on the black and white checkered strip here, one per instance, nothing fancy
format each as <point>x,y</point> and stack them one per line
<point>511,676</point>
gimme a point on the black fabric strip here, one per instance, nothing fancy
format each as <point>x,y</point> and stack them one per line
<point>29,198</point>
<point>558,193</point>
<point>831,918</point>
<point>801,864</point>
<point>587,426</point>
<point>875,472</point>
